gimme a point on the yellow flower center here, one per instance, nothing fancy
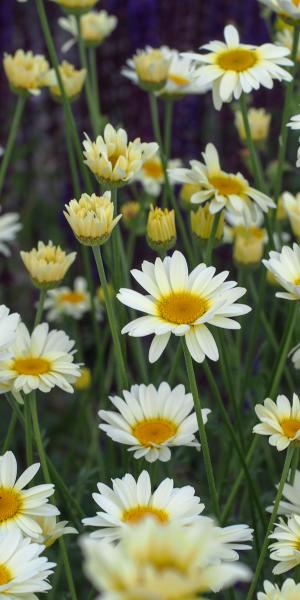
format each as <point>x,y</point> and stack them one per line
<point>237,59</point>
<point>10,504</point>
<point>5,575</point>
<point>297,280</point>
<point>72,297</point>
<point>114,158</point>
<point>182,307</point>
<point>178,79</point>
<point>138,513</point>
<point>31,366</point>
<point>296,2</point>
<point>290,427</point>
<point>153,169</point>
<point>227,184</point>
<point>154,431</point>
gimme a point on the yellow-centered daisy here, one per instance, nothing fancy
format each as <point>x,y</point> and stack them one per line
<point>92,218</point>
<point>73,80</point>
<point>25,71</point>
<point>47,264</point>
<point>286,549</point>
<point>280,421</point>
<point>290,590</point>
<point>72,302</point>
<point>288,10</point>
<point>95,27</point>
<point>285,266</point>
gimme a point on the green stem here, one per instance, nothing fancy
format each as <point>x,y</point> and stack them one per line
<point>121,368</point>
<point>40,307</point>
<point>88,90</point>
<point>264,549</point>
<point>115,244</point>
<point>28,432</point>
<point>168,118</point>
<point>283,136</point>
<point>10,433</point>
<point>255,162</point>
<point>202,432</point>
<point>94,78</point>
<point>212,238</point>
<point>19,108</point>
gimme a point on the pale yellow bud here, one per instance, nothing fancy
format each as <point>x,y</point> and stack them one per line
<point>161,228</point>
<point>248,248</point>
<point>96,26</point>
<point>129,211</point>
<point>47,264</point>
<point>84,380</point>
<point>186,192</point>
<point>259,122</point>
<point>25,71</point>
<point>91,218</point>
<point>292,206</point>
<point>152,68</point>
<point>73,80</point>
<point>202,222</point>
<point>281,213</point>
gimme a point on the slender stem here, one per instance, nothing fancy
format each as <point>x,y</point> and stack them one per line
<point>40,307</point>
<point>283,136</point>
<point>255,162</point>
<point>115,244</point>
<point>212,238</point>
<point>88,90</point>
<point>19,108</point>
<point>28,432</point>
<point>94,78</point>
<point>264,549</point>
<point>168,118</point>
<point>121,369</point>
<point>202,432</point>
<point>10,433</point>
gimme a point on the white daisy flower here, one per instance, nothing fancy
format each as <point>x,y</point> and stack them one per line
<point>285,266</point>
<point>286,549</point>
<point>234,68</point>
<point>95,27</point>
<point>19,507</point>
<point>151,174</point>
<point>290,591</point>
<point>131,501</point>
<point>183,304</point>
<point>223,190</point>
<point>183,78</point>
<point>8,329</point>
<point>9,227</point>
<point>161,562</point>
<point>149,67</point>
<point>287,9</point>
<point>52,530</point>
<point>291,494</point>
<point>152,420</point>
<point>70,302</point>
<point>234,537</point>
<point>41,361</point>
<point>23,572</point>
<point>280,421</point>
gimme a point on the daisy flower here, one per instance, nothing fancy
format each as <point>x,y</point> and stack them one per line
<point>130,501</point>
<point>161,562</point>
<point>221,189</point>
<point>286,549</point>
<point>291,205</point>
<point>290,591</point>
<point>91,218</point>
<point>234,68</point>
<point>9,227</point>
<point>95,27</point>
<point>8,327</point>
<point>287,9</point>
<point>183,304</point>
<point>19,507</point>
<point>151,174</point>
<point>285,266</point>
<point>70,302</point>
<point>40,361</point>
<point>23,572</point>
<point>25,71</point>
<point>52,530</point>
<point>112,159</point>
<point>183,78</point>
<point>259,123</point>
<point>161,229</point>
<point>152,420</point>
<point>73,80</point>
<point>234,537</point>
<point>280,421</point>
<point>149,67</point>
<point>291,492</point>
<point>47,264</point>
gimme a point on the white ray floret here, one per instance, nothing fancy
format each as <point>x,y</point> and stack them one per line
<point>285,266</point>
<point>8,328</point>
<point>286,549</point>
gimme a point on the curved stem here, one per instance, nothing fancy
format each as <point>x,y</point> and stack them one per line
<point>20,104</point>
<point>88,90</point>
<point>40,307</point>
<point>10,433</point>
<point>202,432</point>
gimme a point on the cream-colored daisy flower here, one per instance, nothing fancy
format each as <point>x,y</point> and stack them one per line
<point>286,549</point>
<point>161,229</point>
<point>95,27</point>
<point>151,175</point>
<point>19,507</point>
<point>151,421</point>
<point>290,505</point>
<point>47,264</point>
<point>259,123</point>
<point>73,80</point>
<point>234,68</point>
<point>183,78</point>
<point>149,67</point>
<point>221,189</point>
<point>25,71</point>
<point>9,226</point>
<point>280,421</point>
<point>112,159</point>
<point>285,266</point>
<point>248,237</point>
<point>42,360</point>
<point>130,501</point>
<point>70,302</point>
<point>92,218</point>
<point>289,10</point>
<point>23,572</point>
<point>202,223</point>
<point>8,329</point>
<point>292,207</point>
<point>52,530</point>
<point>290,590</point>
<point>165,563</point>
<point>182,304</point>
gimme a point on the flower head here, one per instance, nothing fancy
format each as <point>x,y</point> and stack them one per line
<point>9,226</point>
<point>290,505</point>
<point>183,78</point>
<point>221,189</point>
<point>8,329</point>
<point>182,304</point>
<point>165,563</point>
<point>95,27</point>
<point>234,68</point>
<point>280,421</point>
<point>202,222</point>
<point>289,591</point>
<point>23,571</point>
<point>52,530</point>
<point>259,122</point>
<point>91,218</point>
<point>130,212</point>
<point>41,361</point>
<point>151,421</point>
<point>131,501</point>
<point>19,507</point>
<point>71,302</point>
<point>186,194</point>
<point>288,10</point>
<point>84,381</point>
<point>152,175</point>
<point>161,228</point>
<point>285,266</point>
<point>149,67</point>
<point>292,207</point>
<point>113,160</point>
<point>76,7</point>
<point>286,549</point>
<point>72,79</point>
<point>47,264</point>
<point>25,71</point>
<point>248,246</point>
